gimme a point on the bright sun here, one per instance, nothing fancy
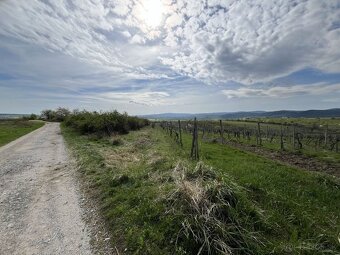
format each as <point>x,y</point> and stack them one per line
<point>152,12</point>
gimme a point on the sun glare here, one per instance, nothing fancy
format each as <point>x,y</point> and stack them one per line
<point>152,12</point>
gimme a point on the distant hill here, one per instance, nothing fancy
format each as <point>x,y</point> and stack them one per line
<point>4,116</point>
<point>330,113</point>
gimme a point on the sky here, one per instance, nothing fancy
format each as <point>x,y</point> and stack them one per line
<point>157,56</point>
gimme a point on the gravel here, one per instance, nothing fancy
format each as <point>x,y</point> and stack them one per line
<point>40,204</point>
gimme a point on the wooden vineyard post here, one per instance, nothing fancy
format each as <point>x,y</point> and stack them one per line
<point>257,137</point>
<point>294,137</point>
<point>337,143</point>
<point>221,130</point>
<point>259,134</point>
<point>194,146</point>
<point>180,133</point>
<point>203,129</point>
<point>170,128</point>
<point>326,134</point>
<point>281,138</point>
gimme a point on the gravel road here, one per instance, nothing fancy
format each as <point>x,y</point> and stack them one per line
<point>40,209</point>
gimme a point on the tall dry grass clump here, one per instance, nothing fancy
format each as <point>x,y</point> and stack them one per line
<point>215,216</point>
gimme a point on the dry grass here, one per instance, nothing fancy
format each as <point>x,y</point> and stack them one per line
<point>211,212</point>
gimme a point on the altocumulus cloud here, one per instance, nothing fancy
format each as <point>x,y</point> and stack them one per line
<point>210,41</point>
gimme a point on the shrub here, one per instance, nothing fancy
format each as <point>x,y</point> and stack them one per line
<point>58,115</point>
<point>106,123</point>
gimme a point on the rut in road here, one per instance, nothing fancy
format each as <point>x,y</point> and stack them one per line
<point>39,200</point>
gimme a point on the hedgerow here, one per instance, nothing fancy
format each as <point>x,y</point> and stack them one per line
<point>104,123</point>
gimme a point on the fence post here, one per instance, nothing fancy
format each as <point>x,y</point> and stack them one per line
<point>294,137</point>
<point>326,134</point>
<point>180,133</point>
<point>203,129</point>
<point>259,133</point>
<point>194,146</point>
<point>170,128</point>
<point>281,137</point>
<point>221,130</point>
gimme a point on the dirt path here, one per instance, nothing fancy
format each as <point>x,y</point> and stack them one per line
<point>40,209</point>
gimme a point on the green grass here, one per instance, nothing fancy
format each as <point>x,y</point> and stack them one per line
<point>268,208</point>
<point>13,129</point>
<point>302,204</point>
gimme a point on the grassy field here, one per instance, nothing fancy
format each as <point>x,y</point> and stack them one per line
<point>157,201</point>
<point>13,129</point>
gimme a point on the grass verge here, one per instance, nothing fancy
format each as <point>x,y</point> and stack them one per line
<point>156,201</point>
<point>13,129</point>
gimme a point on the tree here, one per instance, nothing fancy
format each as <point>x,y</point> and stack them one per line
<point>47,114</point>
<point>61,113</point>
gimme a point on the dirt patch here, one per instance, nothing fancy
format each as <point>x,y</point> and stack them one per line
<point>291,159</point>
<point>120,159</point>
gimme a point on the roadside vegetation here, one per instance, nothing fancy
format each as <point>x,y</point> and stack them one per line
<point>156,200</point>
<point>104,123</point>
<point>56,115</point>
<point>13,129</point>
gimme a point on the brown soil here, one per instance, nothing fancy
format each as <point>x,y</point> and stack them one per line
<point>291,159</point>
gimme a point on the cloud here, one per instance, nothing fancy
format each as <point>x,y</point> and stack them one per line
<point>137,39</point>
<point>84,30</point>
<point>143,98</point>
<point>253,40</point>
<point>213,41</point>
<point>284,92</point>
<point>97,49</point>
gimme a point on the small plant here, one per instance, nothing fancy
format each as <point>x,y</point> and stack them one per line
<point>117,142</point>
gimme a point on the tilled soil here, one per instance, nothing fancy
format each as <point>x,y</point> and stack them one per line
<point>40,210</point>
<point>291,159</point>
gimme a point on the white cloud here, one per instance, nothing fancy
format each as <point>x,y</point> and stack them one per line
<point>126,34</point>
<point>143,98</point>
<point>137,39</point>
<point>284,92</point>
<point>210,40</point>
<point>254,40</point>
<point>80,29</point>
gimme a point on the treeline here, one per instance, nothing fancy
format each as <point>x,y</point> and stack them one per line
<point>57,115</point>
<point>100,123</point>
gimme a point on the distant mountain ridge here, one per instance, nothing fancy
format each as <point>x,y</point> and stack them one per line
<point>329,113</point>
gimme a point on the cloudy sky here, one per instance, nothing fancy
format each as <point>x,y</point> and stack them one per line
<point>153,56</point>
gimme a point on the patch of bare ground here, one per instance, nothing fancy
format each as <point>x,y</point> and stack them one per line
<point>291,159</point>
<point>288,158</point>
